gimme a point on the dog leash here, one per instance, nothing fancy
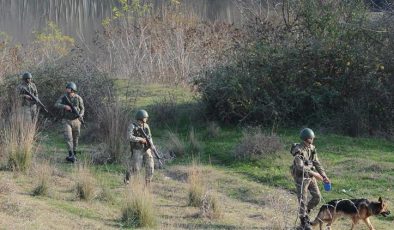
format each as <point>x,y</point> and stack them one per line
<point>344,192</point>
<point>299,202</point>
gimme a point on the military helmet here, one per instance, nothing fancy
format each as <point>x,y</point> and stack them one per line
<point>306,134</point>
<point>71,85</point>
<point>27,75</point>
<point>141,114</point>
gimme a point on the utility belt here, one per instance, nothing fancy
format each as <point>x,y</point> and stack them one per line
<point>301,173</point>
<point>70,116</point>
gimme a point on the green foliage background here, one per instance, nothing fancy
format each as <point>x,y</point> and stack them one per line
<point>330,65</point>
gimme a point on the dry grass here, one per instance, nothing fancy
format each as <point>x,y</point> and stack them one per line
<point>43,173</point>
<point>100,154</point>
<point>211,207</point>
<point>246,203</point>
<point>138,210</point>
<point>255,144</point>
<point>18,139</point>
<point>283,208</point>
<point>175,145</point>
<point>113,120</point>
<point>6,186</point>
<point>194,144</point>
<point>213,130</point>
<point>85,183</point>
<point>196,187</point>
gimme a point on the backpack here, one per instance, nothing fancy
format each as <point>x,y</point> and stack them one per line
<point>293,151</point>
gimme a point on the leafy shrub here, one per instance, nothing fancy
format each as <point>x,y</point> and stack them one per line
<point>51,78</point>
<point>309,72</point>
<point>255,144</point>
<point>165,112</point>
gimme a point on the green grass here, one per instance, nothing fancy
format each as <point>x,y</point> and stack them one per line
<point>365,166</point>
<point>147,95</point>
<point>70,207</point>
<point>340,155</point>
<point>359,167</point>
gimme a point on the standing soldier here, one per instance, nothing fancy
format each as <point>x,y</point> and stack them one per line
<point>306,169</point>
<point>29,106</point>
<point>72,113</point>
<point>139,147</point>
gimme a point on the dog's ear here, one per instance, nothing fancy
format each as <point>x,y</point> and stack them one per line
<point>380,200</point>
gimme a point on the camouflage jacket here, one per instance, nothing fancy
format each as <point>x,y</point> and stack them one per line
<point>134,135</point>
<point>76,101</point>
<point>31,87</point>
<point>306,160</point>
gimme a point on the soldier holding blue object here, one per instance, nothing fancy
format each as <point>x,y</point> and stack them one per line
<point>306,169</point>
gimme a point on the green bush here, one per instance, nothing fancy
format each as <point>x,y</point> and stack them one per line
<point>332,67</point>
<point>51,78</point>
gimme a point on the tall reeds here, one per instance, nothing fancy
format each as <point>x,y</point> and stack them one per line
<point>18,138</point>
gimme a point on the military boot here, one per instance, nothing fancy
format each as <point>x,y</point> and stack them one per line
<point>73,159</point>
<point>305,223</point>
<point>70,154</point>
<point>126,179</point>
<point>147,183</point>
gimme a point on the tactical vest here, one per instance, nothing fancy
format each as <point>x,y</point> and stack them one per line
<point>75,102</point>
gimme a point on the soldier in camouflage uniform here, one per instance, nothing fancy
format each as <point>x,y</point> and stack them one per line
<point>71,122</point>
<point>28,106</point>
<point>139,149</point>
<point>306,169</point>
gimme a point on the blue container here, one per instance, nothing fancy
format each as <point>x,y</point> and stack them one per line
<point>327,186</point>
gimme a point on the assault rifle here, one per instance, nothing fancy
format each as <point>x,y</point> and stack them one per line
<point>150,145</point>
<point>74,110</point>
<point>35,99</point>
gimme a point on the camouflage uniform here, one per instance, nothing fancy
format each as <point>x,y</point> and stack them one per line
<point>28,107</point>
<point>70,121</point>
<point>140,151</point>
<point>305,161</point>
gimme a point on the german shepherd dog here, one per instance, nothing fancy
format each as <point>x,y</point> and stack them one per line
<point>356,209</point>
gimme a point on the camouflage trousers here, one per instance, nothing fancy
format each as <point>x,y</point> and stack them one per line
<point>137,160</point>
<point>29,112</point>
<point>71,132</point>
<point>304,185</point>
